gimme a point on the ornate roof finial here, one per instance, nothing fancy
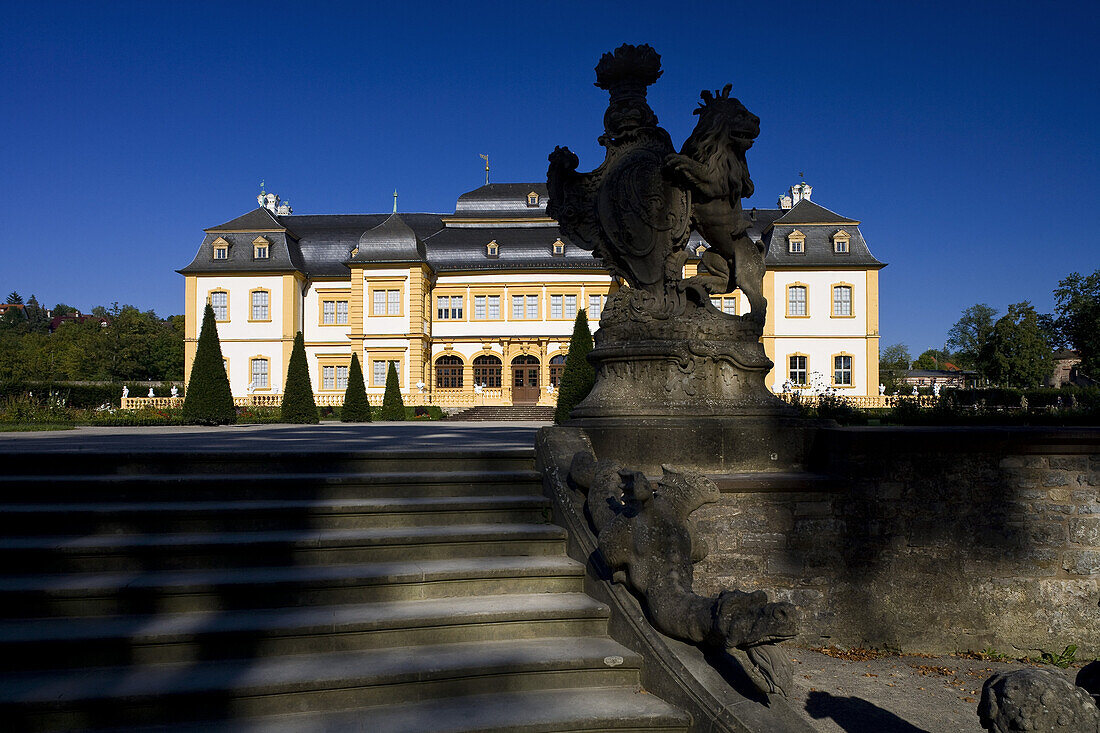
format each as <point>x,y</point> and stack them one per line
<point>262,191</point>
<point>486,159</point>
<point>395,200</point>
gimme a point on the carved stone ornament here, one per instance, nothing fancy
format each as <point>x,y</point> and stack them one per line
<point>661,342</point>
<point>648,543</point>
<point>1039,700</point>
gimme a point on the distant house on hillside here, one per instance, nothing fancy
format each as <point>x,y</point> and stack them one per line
<point>57,321</point>
<point>945,378</point>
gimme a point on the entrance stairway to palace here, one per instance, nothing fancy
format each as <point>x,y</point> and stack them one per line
<point>533,413</point>
<point>300,592</point>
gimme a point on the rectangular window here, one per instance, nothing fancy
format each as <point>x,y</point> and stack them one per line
<point>261,251</point>
<point>798,374</point>
<point>449,309</point>
<point>594,307</point>
<point>328,377</point>
<point>393,302</point>
<point>729,306</point>
<point>379,373</point>
<point>479,307</point>
<point>341,312</point>
<point>517,307</point>
<point>532,307</point>
<point>798,246</point>
<point>570,307</point>
<point>842,370</point>
<point>494,307</point>
<point>842,300</point>
<point>221,253</point>
<point>220,303</point>
<point>841,247</point>
<point>379,305</point>
<point>796,300</point>
<point>259,305</point>
<point>328,312</point>
<point>717,303</point>
<point>555,306</point>
<point>259,373</point>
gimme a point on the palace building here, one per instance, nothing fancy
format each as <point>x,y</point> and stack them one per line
<point>477,307</point>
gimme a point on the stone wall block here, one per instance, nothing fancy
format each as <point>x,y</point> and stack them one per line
<point>769,540</point>
<point>1068,463</point>
<point>784,564</point>
<point>1085,532</point>
<point>1093,477</point>
<point>1055,478</point>
<point>1082,562</point>
<point>1035,462</point>
<point>1012,462</point>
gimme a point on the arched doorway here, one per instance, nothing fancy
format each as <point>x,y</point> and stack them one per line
<point>488,371</point>
<point>448,372</point>
<point>525,380</point>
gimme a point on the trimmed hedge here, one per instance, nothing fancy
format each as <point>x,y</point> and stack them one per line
<point>298,405</point>
<point>356,405</point>
<point>393,406</point>
<point>81,396</point>
<point>579,376</point>
<point>209,400</point>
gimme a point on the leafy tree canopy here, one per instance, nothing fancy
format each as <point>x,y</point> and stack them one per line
<point>1078,317</point>
<point>1016,353</point>
<point>968,337</point>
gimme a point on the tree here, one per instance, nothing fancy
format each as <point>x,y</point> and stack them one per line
<point>931,359</point>
<point>356,406</point>
<point>298,403</point>
<point>578,376</point>
<point>1016,352</point>
<point>15,298</point>
<point>208,400</point>
<point>393,407</point>
<point>967,338</point>
<point>893,362</point>
<point>37,320</point>
<point>1078,307</point>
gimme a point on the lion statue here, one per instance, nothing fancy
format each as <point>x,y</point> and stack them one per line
<point>711,167</point>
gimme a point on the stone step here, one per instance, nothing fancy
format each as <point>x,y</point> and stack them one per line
<point>146,694</point>
<point>266,514</point>
<point>275,462</point>
<point>143,591</point>
<point>588,710</point>
<point>189,637</point>
<point>15,488</point>
<point>499,412</point>
<point>96,553</point>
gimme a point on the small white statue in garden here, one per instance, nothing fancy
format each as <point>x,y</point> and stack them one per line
<point>881,389</point>
<point>125,391</point>
<point>549,389</point>
<point>251,387</point>
<point>787,386</point>
<point>916,391</point>
<point>175,391</point>
<point>477,388</point>
<point>150,393</point>
<point>935,390</point>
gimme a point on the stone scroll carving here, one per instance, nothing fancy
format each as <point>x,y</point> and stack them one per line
<point>661,341</point>
<point>1041,700</point>
<point>648,543</point>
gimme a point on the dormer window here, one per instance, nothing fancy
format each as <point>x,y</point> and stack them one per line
<point>841,242</point>
<point>221,249</point>
<point>532,199</point>
<point>559,248</point>
<point>796,243</point>
<point>261,248</point>
<point>492,249</point>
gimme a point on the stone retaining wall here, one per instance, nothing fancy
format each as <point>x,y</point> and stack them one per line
<point>930,540</point>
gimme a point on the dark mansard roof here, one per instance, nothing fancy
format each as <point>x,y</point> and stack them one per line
<point>325,245</point>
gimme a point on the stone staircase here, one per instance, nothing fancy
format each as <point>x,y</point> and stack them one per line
<point>533,413</point>
<point>307,591</point>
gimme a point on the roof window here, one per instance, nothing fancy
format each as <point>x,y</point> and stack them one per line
<point>532,199</point>
<point>796,243</point>
<point>221,249</point>
<point>841,243</point>
<point>559,248</point>
<point>492,249</point>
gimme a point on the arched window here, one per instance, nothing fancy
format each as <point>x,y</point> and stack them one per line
<point>488,371</point>
<point>557,367</point>
<point>448,372</point>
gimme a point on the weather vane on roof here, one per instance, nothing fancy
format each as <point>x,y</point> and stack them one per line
<point>801,176</point>
<point>486,159</point>
<point>262,186</point>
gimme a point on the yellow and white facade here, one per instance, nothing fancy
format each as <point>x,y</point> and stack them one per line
<point>478,307</point>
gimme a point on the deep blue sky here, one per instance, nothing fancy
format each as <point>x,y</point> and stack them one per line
<point>963,135</point>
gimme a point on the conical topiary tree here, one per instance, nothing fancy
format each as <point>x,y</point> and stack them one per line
<point>393,407</point>
<point>578,376</point>
<point>356,406</point>
<point>208,399</point>
<point>298,403</point>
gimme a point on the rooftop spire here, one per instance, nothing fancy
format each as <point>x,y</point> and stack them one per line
<point>486,159</point>
<point>395,200</point>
